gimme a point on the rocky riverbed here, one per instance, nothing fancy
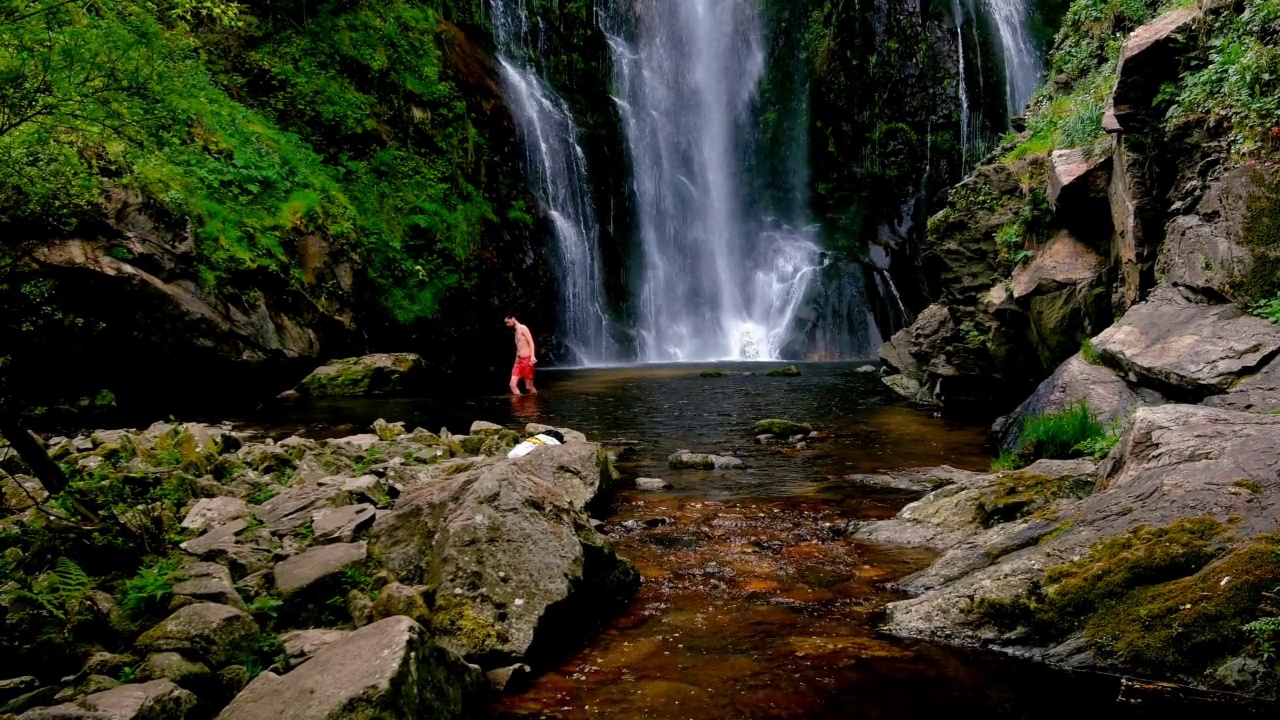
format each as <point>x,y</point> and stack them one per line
<point>398,573</point>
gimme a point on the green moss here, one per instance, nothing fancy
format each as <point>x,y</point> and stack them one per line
<point>1070,595</point>
<point>457,619</point>
<point>1249,484</point>
<point>788,371</point>
<point>781,428</point>
<point>714,373</point>
<point>1088,354</point>
<point>1020,493</point>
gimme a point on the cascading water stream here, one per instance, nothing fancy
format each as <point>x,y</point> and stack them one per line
<point>721,278</point>
<point>1022,65</point>
<point>557,172</point>
<point>1007,24</point>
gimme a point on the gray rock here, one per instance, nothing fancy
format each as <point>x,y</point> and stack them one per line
<point>651,484</point>
<point>1110,398</point>
<point>1147,59</point>
<point>1181,340</point>
<point>389,669</point>
<point>480,427</point>
<point>155,700</point>
<point>1076,181</point>
<point>371,374</point>
<point>293,508</point>
<point>1259,392</point>
<point>1204,249</point>
<point>1062,263</point>
<point>577,469</point>
<point>504,677</point>
<point>317,565</point>
<point>359,607</point>
<point>300,645</point>
<point>208,582</point>
<point>88,686</point>
<point>501,544</point>
<point>388,431</point>
<point>916,479</point>
<point>689,460</point>
<point>342,524</point>
<point>216,634</point>
<point>221,535</point>
<point>1175,462</point>
<point>172,666</point>
<point>396,599</point>
<point>13,687</point>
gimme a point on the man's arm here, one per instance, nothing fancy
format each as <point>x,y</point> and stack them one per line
<point>533,351</point>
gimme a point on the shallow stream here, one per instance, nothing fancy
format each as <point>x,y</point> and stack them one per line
<point>753,605</point>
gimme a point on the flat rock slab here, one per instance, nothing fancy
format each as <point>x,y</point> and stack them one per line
<point>1178,339</point>
<point>211,512</point>
<point>217,634</point>
<point>317,564</point>
<point>208,582</point>
<point>341,524</point>
<point>155,700</point>
<point>293,508</point>
<point>300,645</point>
<point>1147,59</point>
<point>1074,177</point>
<point>390,669</point>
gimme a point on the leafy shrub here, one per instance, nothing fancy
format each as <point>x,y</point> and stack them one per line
<point>145,592</point>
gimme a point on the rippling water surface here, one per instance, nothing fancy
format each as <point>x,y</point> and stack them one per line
<point>753,605</point>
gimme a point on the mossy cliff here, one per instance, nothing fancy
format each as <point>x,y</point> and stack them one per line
<point>197,187</point>
<point>1147,160</point>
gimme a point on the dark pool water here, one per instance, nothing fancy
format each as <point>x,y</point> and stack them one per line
<point>753,604</point>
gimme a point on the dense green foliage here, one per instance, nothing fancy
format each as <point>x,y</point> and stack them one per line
<point>1074,432</point>
<point>261,125</point>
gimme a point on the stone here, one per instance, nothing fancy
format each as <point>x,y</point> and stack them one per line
<point>480,427</point>
<point>1258,393</point>
<point>1063,262</point>
<point>371,374</point>
<point>342,524</point>
<point>1109,397</point>
<point>389,669</point>
<point>172,666</point>
<point>781,427</point>
<point>207,582</point>
<point>501,545</point>
<point>300,645</point>
<point>396,599</point>
<point>1184,341</point>
<point>155,700</point>
<point>221,535</point>
<point>316,565</point>
<point>1176,462</point>
<point>651,484</point>
<point>919,355</point>
<point>13,687</point>
<point>359,607</point>
<point>788,371</point>
<point>88,686</point>
<point>577,469</point>
<point>1077,182</point>
<point>511,676</point>
<point>689,460</point>
<point>1204,249</point>
<point>388,431</point>
<point>267,459</point>
<point>105,663</point>
<point>1148,59</point>
<point>215,634</point>
<point>916,479</point>
<point>293,508</point>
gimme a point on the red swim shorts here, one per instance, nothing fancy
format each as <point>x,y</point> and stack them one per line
<point>523,368</point>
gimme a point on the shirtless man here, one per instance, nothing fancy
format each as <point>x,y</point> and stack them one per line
<point>525,358</point>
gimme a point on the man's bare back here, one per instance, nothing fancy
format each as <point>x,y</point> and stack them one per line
<point>526,357</point>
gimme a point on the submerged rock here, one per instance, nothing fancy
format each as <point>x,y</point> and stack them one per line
<point>689,460</point>
<point>390,669</point>
<point>781,428</point>
<point>651,484</point>
<point>788,371</point>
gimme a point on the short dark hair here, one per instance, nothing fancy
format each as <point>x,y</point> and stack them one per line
<point>509,316</point>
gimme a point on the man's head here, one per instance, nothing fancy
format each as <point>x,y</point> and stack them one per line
<point>511,321</point>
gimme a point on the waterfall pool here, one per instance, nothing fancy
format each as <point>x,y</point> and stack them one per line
<point>754,604</point>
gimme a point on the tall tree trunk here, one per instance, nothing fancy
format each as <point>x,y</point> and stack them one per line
<point>36,459</point>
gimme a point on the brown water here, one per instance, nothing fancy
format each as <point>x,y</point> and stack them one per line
<point>753,605</point>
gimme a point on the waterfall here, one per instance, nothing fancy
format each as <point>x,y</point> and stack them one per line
<point>721,273</point>
<point>1022,65</point>
<point>557,172</point>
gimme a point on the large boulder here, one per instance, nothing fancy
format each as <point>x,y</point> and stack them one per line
<point>1255,393</point>
<point>507,550</point>
<point>217,634</point>
<point>1200,466</point>
<point>155,700</point>
<point>1063,262</point>
<point>918,354</point>
<point>1108,395</point>
<point>1147,60</point>
<point>578,469</point>
<point>385,671</point>
<point>1186,342</point>
<point>1078,185</point>
<point>370,374</point>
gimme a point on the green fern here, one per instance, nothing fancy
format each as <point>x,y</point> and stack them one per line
<point>60,592</point>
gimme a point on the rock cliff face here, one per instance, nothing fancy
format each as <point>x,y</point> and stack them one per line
<point>1120,277</point>
<point>1037,251</point>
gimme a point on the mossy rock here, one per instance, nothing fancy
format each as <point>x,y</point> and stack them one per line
<point>1022,493</point>
<point>371,374</point>
<point>781,428</point>
<point>788,371</point>
<point>714,373</point>
<point>464,629</point>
